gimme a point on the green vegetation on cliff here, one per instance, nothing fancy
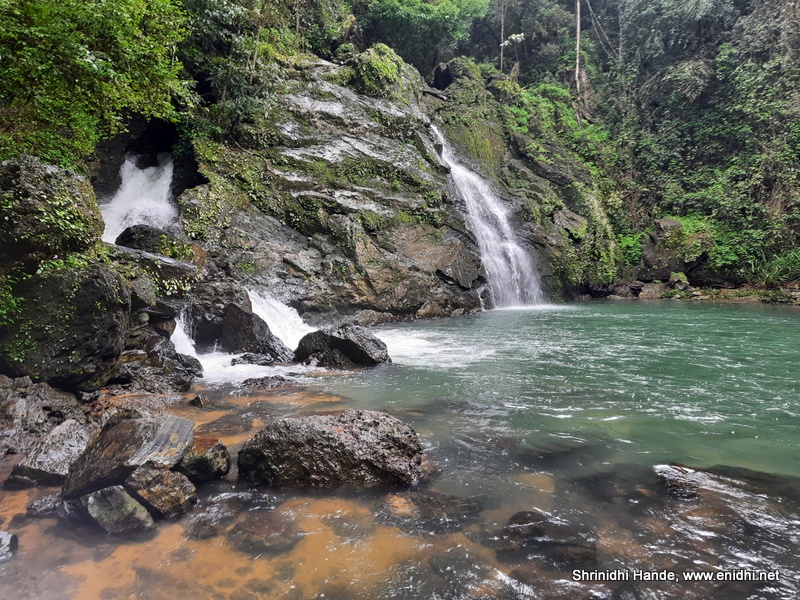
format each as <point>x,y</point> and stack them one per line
<point>665,108</point>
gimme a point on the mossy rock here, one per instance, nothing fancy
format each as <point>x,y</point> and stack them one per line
<point>379,72</point>
<point>70,329</point>
<point>45,211</point>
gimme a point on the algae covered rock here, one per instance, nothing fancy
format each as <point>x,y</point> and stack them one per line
<point>357,446</point>
<point>115,511</point>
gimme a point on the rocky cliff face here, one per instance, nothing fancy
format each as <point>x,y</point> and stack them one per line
<point>336,201</point>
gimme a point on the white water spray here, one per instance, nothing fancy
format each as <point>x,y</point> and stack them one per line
<point>283,320</point>
<point>512,275</point>
<point>144,198</point>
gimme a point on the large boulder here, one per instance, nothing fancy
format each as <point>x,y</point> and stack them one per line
<point>44,212</point>
<point>347,345</point>
<point>245,331</point>
<point>124,445</point>
<point>48,462</point>
<point>357,446</point>
<point>70,329</point>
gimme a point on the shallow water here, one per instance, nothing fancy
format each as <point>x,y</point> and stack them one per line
<point>570,409</point>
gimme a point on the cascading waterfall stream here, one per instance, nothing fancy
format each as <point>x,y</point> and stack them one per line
<point>283,321</point>
<point>513,278</point>
<point>144,197</point>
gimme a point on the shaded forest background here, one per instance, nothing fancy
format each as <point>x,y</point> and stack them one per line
<point>681,108</point>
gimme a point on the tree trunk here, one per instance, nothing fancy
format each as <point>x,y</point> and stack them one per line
<point>578,46</point>
<point>503,8</point>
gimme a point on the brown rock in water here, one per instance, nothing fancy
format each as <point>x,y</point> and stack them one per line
<point>164,493</point>
<point>206,459</point>
<point>357,446</point>
<point>124,445</point>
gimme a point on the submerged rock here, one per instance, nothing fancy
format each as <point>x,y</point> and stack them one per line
<point>357,446</point>
<point>344,346</point>
<point>216,515</point>
<point>164,493</point>
<point>122,446</point>
<point>206,459</point>
<point>563,541</point>
<point>428,511</point>
<point>245,331</point>
<point>48,462</point>
<point>258,532</point>
<point>115,511</point>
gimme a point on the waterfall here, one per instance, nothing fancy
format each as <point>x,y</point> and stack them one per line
<point>512,275</point>
<point>283,320</point>
<point>144,197</point>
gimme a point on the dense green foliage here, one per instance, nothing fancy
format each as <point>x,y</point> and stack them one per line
<point>70,70</point>
<point>423,32</point>
<point>686,109</point>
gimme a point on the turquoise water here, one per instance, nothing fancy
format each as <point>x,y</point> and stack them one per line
<point>640,382</point>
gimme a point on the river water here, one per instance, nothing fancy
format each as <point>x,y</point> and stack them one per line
<point>573,410</point>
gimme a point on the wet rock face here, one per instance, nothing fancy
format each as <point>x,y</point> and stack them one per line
<point>48,462</point>
<point>244,331</point>
<point>8,545</point>
<point>208,302</point>
<point>347,345</point>
<point>206,459</point>
<point>349,214</point>
<point>357,446</point>
<point>123,446</point>
<point>75,323</point>
<point>164,493</point>
<point>30,410</point>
